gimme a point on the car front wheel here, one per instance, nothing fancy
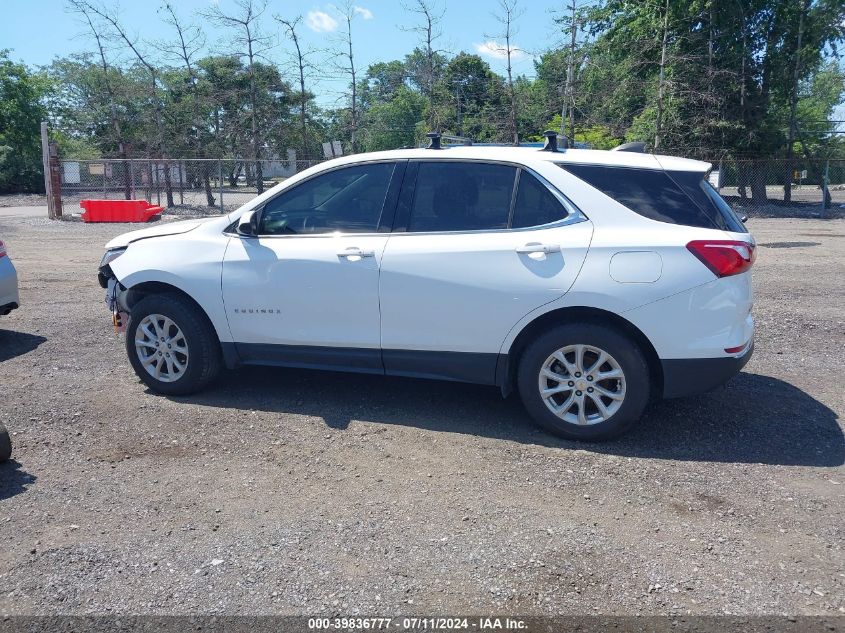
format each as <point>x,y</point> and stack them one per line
<point>584,381</point>
<point>171,345</point>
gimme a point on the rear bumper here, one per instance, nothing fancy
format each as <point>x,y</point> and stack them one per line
<point>691,376</point>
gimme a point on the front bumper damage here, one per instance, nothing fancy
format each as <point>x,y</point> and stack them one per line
<point>115,298</point>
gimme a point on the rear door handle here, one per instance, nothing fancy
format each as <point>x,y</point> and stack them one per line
<point>354,251</point>
<point>536,247</point>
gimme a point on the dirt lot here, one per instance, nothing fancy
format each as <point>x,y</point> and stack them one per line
<point>286,491</point>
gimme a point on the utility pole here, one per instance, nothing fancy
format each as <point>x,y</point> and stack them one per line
<point>569,97</point>
<point>45,158</point>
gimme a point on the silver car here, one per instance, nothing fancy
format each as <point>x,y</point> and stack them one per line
<point>9,298</point>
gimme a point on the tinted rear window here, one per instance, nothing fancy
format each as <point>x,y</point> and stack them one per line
<point>706,197</point>
<point>672,197</point>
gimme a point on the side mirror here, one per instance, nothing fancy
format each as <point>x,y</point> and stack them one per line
<point>744,219</point>
<point>248,224</point>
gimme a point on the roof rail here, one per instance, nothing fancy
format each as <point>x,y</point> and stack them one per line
<point>634,146</point>
<point>463,140</point>
<point>433,140</point>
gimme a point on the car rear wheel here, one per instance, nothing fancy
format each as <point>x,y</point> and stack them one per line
<point>583,381</point>
<point>171,345</point>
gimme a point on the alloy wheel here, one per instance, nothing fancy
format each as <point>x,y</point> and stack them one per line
<point>582,384</point>
<point>161,347</point>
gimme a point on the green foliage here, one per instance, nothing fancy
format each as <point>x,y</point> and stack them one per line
<point>705,78</point>
<point>392,123</point>
<point>75,148</point>
<point>593,136</point>
<point>728,75</point>
<point>21,113</point>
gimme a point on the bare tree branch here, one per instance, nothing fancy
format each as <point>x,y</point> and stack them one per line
<point>252,43</point>
<point>347,12</point>
<point>507,18</point>
<point>302,65</point>
<point>133,44</point>
<point>431,16</point>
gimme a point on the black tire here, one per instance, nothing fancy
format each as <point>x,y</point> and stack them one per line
<point>204,361</point>
<point>627,355</point>
<point>5,444</point>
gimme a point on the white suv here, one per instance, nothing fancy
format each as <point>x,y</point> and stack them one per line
<point>590,281</point>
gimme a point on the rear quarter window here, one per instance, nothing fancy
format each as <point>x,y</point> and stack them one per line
<point>674,198</point>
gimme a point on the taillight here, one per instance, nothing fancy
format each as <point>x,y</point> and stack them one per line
<point>2,249</point>
<point>723,257</point>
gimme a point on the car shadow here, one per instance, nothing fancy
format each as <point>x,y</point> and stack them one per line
<point>752,419</point>
<point>14,344</point>
<point>13,479</point>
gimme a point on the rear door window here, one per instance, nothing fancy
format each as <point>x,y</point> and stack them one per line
<point>655,194</point>
<point>461,196</point>
<point>535,204</point>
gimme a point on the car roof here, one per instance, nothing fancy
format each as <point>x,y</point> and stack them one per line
<point>529,155</point>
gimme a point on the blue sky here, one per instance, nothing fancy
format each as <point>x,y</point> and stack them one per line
<point>39,30</point>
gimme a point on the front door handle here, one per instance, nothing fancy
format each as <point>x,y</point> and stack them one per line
<point>354,251</point>
<point>536,247</point>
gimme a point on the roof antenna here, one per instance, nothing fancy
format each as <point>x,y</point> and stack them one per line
<point>433,140</point>
<point>551,141</point>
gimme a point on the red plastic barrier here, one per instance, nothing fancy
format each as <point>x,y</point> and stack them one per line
<point>118,210</point>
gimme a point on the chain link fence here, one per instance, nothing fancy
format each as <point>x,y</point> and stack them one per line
<point>208,186</point>
<point>189,186</point>
<point>781,187</point>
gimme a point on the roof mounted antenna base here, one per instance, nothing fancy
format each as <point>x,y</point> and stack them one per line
<point>552,141</point>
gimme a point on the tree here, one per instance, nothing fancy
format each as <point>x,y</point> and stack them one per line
<point>694,77</point>
<point>476,98</point>
<point>189,42</point>
<point>392,123</point>
<point>84,11</point>
<point>570,21</point>
<point>250,43</point>
<point>21,113</point>
<point>83,111</point>
<point>430,16</point>
<point>303,67</point>
<point>507,18</point>
<point>147,63</point>
<point>382,82</point>
<point>347,53</point>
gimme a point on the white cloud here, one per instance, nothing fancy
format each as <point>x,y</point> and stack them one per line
<point>494,50</point>
<point>320,22</point>
<point>364,13</point>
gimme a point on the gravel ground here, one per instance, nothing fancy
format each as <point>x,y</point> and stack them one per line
<point>23,200</point>
<point>295,492</point>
